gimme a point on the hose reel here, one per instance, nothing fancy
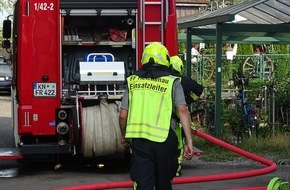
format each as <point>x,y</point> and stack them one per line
<point>101,134</point>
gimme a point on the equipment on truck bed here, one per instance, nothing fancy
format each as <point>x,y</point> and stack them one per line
<point>98,70</point>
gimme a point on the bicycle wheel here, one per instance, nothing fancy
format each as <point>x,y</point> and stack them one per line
<point>281,118</point>
<point>195,71</point>
<point>203,69</point>
<point>254,128</point>
<point>262,102</point>
<point>252,121</point>
<point>208,69</point>
<point>249,67</point>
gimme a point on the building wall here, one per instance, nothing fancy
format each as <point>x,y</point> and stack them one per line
<point>190,7</point>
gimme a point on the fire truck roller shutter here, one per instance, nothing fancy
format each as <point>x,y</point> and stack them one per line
<point>101,133</point>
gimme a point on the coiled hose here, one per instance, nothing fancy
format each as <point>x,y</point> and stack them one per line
<point>100,130</point>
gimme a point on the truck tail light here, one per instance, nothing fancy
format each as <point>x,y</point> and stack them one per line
<point>62,128</point>
<point>62,121</point>
<point>62,114</point>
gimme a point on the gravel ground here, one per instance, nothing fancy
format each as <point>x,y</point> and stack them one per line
<point>237,162</point>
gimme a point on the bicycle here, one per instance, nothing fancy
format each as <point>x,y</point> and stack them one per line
<point>202,114</point>
<point>271,114</point>
<point>283,117</point>
<point>197,113</point>
<point>282,109</point>
<point>248,110</point>
<point>260,66</point>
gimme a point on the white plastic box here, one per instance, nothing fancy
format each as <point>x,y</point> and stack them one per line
<point>101,72</point>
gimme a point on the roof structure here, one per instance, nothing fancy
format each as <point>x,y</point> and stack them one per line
<point>258,21</point>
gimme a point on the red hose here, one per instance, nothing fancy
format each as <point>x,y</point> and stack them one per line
<point>193,179</point>
<point>250,188</point>
<point>271,165</point>
<point>108,185</point>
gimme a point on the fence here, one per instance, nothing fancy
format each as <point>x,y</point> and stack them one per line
<point>252,66</point>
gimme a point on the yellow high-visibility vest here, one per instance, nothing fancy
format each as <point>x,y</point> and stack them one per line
<point>150,107</point>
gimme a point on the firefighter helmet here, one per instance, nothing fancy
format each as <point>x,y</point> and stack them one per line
<point>157,53</point>
<point>177,64</point>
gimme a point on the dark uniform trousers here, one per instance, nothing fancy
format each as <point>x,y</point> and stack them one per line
<point>154,164</point>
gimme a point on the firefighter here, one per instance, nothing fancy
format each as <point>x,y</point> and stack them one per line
<point>191,89</point>
<point>189,85</point>
<point>146,121</point>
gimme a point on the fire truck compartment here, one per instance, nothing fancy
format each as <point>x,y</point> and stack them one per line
<point>83,35</point>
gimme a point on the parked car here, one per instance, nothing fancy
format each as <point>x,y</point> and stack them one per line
<point>2,60</point>
<point>5,77</point>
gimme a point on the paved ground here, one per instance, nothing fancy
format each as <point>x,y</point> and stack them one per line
<point>5,102</point>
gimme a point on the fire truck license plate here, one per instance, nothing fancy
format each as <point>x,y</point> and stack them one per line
<point>44,89</point>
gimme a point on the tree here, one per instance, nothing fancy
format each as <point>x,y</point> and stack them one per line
<point>6,7</point>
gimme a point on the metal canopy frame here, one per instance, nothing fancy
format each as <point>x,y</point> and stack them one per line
<point>242,34</point>
<point>268,23</point>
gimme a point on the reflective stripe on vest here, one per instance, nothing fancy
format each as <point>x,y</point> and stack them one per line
<point>150,107</point>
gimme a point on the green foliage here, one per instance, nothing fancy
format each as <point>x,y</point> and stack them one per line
<point>245,49</point>
<point>283,93</point>
<point>6,6</point>
<point>282,65</point>
<point>232,119</point>
<point>1,38</point>
<point>212,153</point>
<point>281,49</point>
<point>5,10</point>
<point>274,147</point>
<point>181,48</point>
<point>253,88</point>
<point>281,78</point>
<point>210,49</point>
<point>228,69</point>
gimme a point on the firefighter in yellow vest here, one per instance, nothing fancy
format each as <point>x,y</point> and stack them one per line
<point>191,89</point>
<point>145,118</point>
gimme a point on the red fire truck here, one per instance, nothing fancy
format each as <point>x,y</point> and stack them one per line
<point>70,60</point>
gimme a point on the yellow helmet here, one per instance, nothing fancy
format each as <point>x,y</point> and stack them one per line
<point>157,52</point>
<point>177,64</point>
